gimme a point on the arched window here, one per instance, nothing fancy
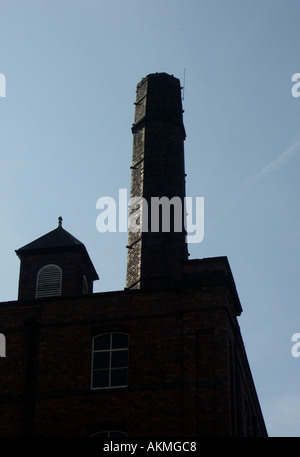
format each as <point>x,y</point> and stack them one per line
<point>49,281</point>
<point>110,361</point>
<point>108,433</point>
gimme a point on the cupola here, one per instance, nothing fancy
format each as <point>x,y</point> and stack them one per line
<point>56,264</point>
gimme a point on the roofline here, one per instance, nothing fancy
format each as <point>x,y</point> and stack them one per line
<point>49,250</point>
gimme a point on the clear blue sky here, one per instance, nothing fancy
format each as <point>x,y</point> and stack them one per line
<point>71,69</point>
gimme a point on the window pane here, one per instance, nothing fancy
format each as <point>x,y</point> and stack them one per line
<point>100,378</point>
<point>117,434</point>
<point>101,360</point>
<point>110,361</point>
<point>100,435</point>
<point>107,434</point>
<point>119,377</point>
<point>119,340</point>
<point>102,342</point>
<point>119,359</point>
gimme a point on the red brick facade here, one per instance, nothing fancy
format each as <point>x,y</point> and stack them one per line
<point>188,373</point>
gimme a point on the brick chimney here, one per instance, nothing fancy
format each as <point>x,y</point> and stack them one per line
<point>155,257</point>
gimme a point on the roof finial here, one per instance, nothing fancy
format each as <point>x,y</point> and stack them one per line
<point>60,219</point>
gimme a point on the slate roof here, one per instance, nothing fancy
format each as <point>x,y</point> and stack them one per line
<point>59,240</point>
<point>54,239</point>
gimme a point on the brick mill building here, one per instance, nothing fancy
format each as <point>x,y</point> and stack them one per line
<point>164,356</point>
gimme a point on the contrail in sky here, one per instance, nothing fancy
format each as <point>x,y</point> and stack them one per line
<point>281,160</point>
<point>285,157</point>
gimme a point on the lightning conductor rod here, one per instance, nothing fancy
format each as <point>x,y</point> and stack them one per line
<point>183,85</point>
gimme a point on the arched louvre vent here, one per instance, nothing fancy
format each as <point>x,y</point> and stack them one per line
<point>85,286</point>
<point>49,281</point>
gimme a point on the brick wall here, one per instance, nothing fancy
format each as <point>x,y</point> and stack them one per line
<point>182,374</point>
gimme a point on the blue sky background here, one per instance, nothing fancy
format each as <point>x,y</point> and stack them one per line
<point>71,71</point>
